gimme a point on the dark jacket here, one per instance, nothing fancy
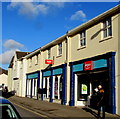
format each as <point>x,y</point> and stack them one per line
<point>101,98</point>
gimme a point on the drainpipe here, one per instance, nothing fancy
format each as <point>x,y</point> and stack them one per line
<point>67,68</point>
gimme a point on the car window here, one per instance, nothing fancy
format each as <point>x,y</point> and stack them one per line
<point>7,112</point>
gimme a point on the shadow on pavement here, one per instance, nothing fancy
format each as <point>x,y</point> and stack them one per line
<point>90,111</point>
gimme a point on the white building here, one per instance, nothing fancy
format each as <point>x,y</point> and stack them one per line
<point>3,77</point>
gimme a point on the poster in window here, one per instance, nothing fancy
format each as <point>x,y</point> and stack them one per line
<point>84,89</point>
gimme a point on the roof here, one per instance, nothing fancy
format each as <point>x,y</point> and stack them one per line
<point>11,63</point>
<point>3,71</point>
<point>33,53</point>
<point>95,20</point>
<point>20,54</point>
<point>84,26</point>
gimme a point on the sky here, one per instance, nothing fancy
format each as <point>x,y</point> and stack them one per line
<point>27,26</point>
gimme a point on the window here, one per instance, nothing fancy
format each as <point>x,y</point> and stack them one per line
<point>107,28</point>
<point>36,59</point>
<point>60,49</point>
<point>82,39</point>
<point>21,64</point>
<point>49,53</point>
<point>30,62</point>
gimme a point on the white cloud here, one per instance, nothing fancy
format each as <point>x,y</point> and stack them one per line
<point>29,9</point>
<point>33,9</point>
<point>6,57</point>
<point>79,15</point>
<point>11,46</point>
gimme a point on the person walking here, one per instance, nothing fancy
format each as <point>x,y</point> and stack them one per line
<point>101,102</point>
<point>39,93</point>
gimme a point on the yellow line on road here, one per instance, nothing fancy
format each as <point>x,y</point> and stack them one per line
<point>30,110</point>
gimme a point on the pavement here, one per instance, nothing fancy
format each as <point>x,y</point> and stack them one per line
<point>55,110</point>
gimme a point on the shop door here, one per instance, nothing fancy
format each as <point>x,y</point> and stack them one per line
<point>101,78</point>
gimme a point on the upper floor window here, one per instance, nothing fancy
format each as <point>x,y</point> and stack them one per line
<point>60,49</point>
<point>36,59</point>
<point>82,39</point>
<point>49,53</point>
<point>107,28</point>
<point>21,64</point>
<point>30,62</point>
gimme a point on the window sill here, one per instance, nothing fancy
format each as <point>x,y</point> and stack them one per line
<point>107,38</point>
<point>58,56</point>
<point>81,48</point>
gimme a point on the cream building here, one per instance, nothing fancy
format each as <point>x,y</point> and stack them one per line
<point>17,73</point>
<point>68,69</point>
<point>3,77</point>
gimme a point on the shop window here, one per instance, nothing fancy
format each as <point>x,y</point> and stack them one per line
<point>60,49</point>
<point>61,87</point>
<point>107,28</point>
<point>82,39</point>
<point>83,88</point>
<point>56,88</point>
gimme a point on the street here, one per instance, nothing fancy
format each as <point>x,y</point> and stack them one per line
<point>26,113</point>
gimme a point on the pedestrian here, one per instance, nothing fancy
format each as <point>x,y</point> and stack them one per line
<point>101,102</point>
<point>39,93</point>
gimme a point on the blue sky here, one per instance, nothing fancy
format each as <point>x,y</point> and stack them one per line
<point>28,26</point>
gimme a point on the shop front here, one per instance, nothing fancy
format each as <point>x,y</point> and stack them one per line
<point>87,74</point>
<point>57,85</point>
<point>32,84</point>
<point>46,84</point>
<point>53,84</point>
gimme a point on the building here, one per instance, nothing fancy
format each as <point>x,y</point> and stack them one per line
<point>17,73</point>
<point>69,68</point>
<point>3,77</point>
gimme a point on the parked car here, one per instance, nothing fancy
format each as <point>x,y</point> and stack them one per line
<point>7,110</point>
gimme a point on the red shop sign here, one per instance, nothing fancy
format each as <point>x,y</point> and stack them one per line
<point>88,65</point>
<point>48,61</point>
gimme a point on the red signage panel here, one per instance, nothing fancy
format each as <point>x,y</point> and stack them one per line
<point>48,61</point>
<point>88,65</point>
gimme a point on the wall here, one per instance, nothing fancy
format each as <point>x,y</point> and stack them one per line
<point>4,79</point>
<point>9,79</point>
<point>96,45</point>
<point>58,60</point>
<point>118,66</point>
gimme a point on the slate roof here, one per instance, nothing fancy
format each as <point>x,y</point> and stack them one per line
<point>21,54</point>
<point>3,71</point>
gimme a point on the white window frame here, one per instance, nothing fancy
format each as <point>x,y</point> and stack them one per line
<point>30,62</point>
<point>60,49</point>
<point>49,53</point>
<point>82,41</point>
<point>36,59</point>
<point>107,28</point>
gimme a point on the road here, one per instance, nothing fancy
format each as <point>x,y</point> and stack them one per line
<point>26,113</point>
